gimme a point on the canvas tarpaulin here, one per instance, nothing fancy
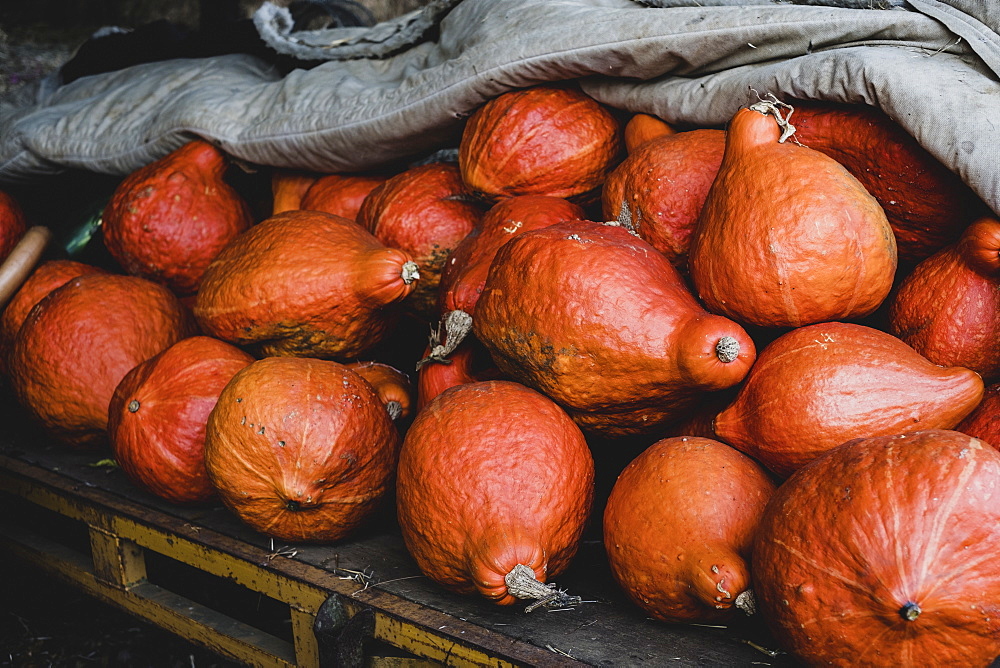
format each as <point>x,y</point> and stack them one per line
<point>402,88</point>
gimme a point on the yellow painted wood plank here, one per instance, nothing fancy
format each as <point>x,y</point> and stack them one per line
<point>117,562</point>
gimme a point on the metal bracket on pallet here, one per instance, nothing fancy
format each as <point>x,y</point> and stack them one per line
<point>340,635</point>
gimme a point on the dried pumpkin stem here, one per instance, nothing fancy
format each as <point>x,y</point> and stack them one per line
<point>457,324</point>
<point>773,106</point>
<point>395,409</point>
<point>746,602</point>
<point>727,349</point>
<point>410,272</point>
<point>521,583</point>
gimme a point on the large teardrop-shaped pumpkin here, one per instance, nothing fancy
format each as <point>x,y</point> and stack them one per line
<point>304,283</point>
<point>882,553</point>
<point>301,449</point>
<point>477,499</point>
<point>816,387</point>
<point>546,140</point>
<point>168,220</point>
<point>158,413</point>
<point>787,237</point>
<point>679,525</point>
<point>948,307</point>
<point>595,318</point>
<point>77,344</point>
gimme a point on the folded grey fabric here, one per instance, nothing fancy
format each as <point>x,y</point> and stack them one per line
<point>397,91</point>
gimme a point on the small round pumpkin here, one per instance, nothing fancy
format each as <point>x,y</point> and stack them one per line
<point>158,413</point>
<point>678,528</point>
<point>642,128</point>
<point>393,387</point>
<point>288,186</point>
<point>882,553</point>
<point>168,220</point>
<point>340,194</point>
<point>301,449</point>
<point>78,342</point>
<point>545,140</point>
<point>480,503</point>
<point>307,284</point>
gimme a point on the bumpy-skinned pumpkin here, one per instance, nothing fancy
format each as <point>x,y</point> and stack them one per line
<point>307,284</point>
<point>641,128</point>
<point>13,223</point>
<point>819,386</point>
<point>660,188</point>
<point>425,211</point>
<point>490,509</point>
<point>984,421</point>
<point>391,385</point>
<point>168,220</point>
<point>546,140</point>
<point>340,194</point>
<point>948,307</point>
<point>46,277</point>
<point>301,449</point>
<point>158,413</point>
<point>787,237</point>
<point>78,342</point>
<point>679,525</point>
<point>926,204</point>
<point>288,187</point>
<point>595,318</point>
<point>881,553</point>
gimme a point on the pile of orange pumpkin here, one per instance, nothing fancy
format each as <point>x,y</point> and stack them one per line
<point>795,315</point>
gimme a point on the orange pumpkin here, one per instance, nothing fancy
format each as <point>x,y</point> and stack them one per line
<point>881,553</point>
<point>816,387</point>
<point>158,412</point>
<point>44,279</point>
<point>304,283</point>
<point>168,220</point>
<point>926,203</point>
<point>301,449</point>
<point>480,504</point>
<point>948,307</point>
<point>467,362</point>
<point>288,186</point>
<point>595,318</point>
<point>787,237</point>
<point>642,128</point>
<point>13,223</point>
<point>546,140</point>
<point>679,525</point>
<point>391,385</point>
<point>77,344</point>
<point>340,194</point>
<point>425,211</point>
<point>984,421</point>
<point>660,188</point>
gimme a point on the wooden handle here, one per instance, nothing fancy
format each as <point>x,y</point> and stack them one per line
<point>22,260</point>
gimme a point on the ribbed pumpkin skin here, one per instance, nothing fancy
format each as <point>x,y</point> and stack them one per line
<point>425,211</point>
<point>819,386</point>
<point>984,421</point>
<point>77,344</point>
<point>595,318</point>
<point>660,188</point>
<point>168,220</point>
<point>476,497</point>
<point>305,284</point>
<point>158,413</point>
<point>852,538</point>
<point>679,525</point>
<point>948,307</point>
<point>464,274</point>
<point>926,204</point>
<point>46,277</point>
<point>301,449</point>
<point>545,140</point>
<point>340,194</point>
<point>13,223</point>
<point>787,237</point>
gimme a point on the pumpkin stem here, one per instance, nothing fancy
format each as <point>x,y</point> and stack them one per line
<point>746,602</point>
<point>727,349</point>
<point>395,409</point>
<point>457,325</point>
<point>521,583</point>
<point>410,272</point>
<point>910,611</point>
<point>773,106</point>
